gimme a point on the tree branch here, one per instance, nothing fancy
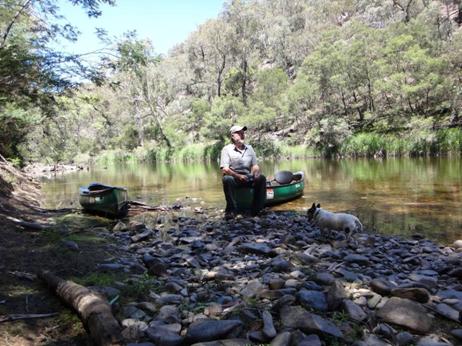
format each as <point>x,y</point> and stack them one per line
<point>10,26</point>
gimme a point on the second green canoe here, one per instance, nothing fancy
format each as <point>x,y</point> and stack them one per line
<point>109,201</point>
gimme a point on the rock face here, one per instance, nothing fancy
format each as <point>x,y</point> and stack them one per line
<point>406,313</point>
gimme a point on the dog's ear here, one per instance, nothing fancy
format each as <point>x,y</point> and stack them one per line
<point>313,206</point>
<point>319,205</point>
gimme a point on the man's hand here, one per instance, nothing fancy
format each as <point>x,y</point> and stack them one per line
<point>242,178</point>
<point>255,171</point>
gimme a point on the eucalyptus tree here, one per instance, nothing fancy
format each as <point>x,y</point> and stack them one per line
<point>33,73</point>
<point>244,21</point>
<point>209,55</point>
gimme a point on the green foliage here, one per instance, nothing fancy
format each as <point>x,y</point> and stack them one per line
<point>223,113</point>
<point>351,78</point>
<point>364,145</point>
<point>328,135</point>
<point>15,123</point>
<point>140,287</point>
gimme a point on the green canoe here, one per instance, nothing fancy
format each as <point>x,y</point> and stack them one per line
<point>276,192</point>
<point>109,201</point>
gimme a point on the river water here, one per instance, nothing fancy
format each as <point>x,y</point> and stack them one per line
<point>393,196</point>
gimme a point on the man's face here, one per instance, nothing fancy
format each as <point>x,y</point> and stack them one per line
<point>238,137</point>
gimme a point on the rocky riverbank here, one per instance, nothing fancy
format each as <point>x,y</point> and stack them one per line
<point>38,170</point>
<point>277,280</point>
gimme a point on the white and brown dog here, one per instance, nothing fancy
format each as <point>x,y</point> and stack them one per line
<point>327,220</point>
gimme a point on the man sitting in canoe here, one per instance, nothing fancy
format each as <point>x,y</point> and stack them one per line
<point>239,166</point>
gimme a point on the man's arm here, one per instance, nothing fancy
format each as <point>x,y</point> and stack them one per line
<point>255,170</point>
<point>229,171</point>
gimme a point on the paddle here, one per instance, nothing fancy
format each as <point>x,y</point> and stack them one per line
<point>284,177</point>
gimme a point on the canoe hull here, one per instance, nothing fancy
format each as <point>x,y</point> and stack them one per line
<point>110,202</point>
<point>275,194</point>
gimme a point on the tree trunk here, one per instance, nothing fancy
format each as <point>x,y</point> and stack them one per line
<point>93,310</point>
<point>220,75</point>
<point>244,82</point>
<point>139,121</point>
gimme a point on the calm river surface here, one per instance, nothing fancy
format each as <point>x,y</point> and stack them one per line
<point>393,196</point>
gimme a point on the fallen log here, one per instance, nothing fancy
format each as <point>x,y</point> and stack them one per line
<point>93,309</point>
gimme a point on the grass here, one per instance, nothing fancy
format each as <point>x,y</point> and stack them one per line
<point>140,287</point>
<point>414,143</point>
<point>299,151</point>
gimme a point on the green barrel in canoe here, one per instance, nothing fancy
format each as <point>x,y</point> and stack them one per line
<point>276,192</point>
<point>109,201</point>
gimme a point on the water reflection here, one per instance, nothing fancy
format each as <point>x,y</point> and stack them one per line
<point>394,196</point>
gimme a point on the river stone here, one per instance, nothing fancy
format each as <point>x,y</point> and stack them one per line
<point>305,258</point>
<point>280,264</point>
<point>169,299</point>
<point>427,281</point>
<point>384,330</point>
<point>71,245</point>
<point>252,289</point>
<point>169,314</point>
<point>120,227</point>
<point>282,339</point>
<point>431,341</point>
<point>354,310</point>
<point>404,339</point>
<point>285,300</point>
<point>256,248</point>
<point>407,313</point>
<point>456,272</point>
<point>312,299</point>
<point>448,312</point>
<point>324,278</point>
<point>141,236</point>
<point>268,327</point>
<point>335,295</point>
<point>226,342</point>
<point>172,327</point>
<point>276,283</point>
<point>374,300</point>
<point>134,329</point>
<point>458,244</point>
<point>372,340</point>
<point>157,267</point>
<point>164,337</point>
<point>292,283</point>
<point>457,333</point>
<point>380,286</point>
<point>450,294</point>
<point>420,295</point>
<point>140,344</point>
<point>132,312</point>
<point>300,339</point>
<point>208,330</point>
<point>354,258</point>
<point>298,318</point>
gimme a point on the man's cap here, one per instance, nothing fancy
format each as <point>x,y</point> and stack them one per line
<point>237,128</point>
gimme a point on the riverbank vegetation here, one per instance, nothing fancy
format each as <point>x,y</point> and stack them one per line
<point>309,78</point>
